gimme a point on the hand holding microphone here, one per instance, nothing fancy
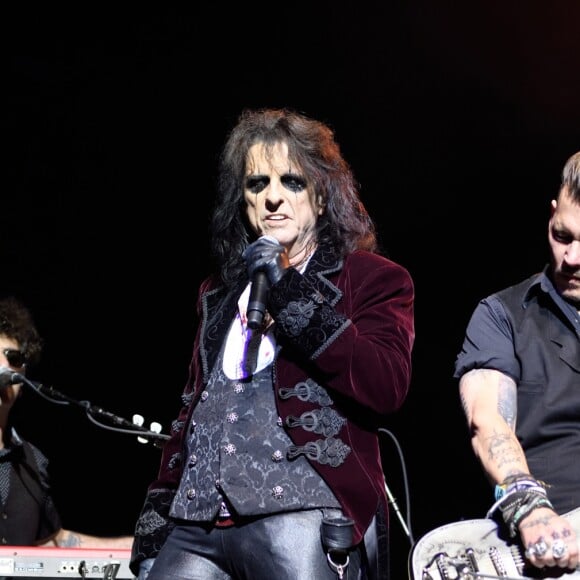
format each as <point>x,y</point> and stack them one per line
<point>266,255</point>
<point>266,260</point>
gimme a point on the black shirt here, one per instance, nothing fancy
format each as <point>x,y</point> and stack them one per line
<point>528,332</point>
<point>27,511</point>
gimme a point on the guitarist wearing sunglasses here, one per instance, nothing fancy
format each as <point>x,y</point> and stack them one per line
<point>519,380</point>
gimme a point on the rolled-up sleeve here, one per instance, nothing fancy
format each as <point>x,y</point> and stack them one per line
<point>488,341</point>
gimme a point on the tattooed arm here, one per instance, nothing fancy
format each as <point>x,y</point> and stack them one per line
<point>69,539</point>
<point>489,400</point>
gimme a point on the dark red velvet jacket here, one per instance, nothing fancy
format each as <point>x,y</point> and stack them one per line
<point>346,324</point>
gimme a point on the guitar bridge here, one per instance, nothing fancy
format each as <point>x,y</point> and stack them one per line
<point>452,568</point>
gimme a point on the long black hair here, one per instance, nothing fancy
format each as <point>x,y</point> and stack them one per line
<point>345,222</point>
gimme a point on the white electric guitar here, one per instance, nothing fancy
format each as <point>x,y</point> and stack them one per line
<point>473,549</point>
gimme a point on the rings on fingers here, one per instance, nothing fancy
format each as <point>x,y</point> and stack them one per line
<point>540,549</point>
<point>559,549</point>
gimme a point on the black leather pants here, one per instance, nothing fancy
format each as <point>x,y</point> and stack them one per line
<point>280,547</point>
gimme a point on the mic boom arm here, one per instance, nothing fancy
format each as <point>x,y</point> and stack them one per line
<point>117,423</point>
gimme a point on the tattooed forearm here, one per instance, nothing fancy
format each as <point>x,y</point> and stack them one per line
<point>504,451</point>
<point>70,540</point>
<point>507,401</point>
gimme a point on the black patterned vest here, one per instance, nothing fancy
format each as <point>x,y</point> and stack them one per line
<point>238,454</point>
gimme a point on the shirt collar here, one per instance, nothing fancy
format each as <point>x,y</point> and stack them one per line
<point>12,444</point>
<point>543,283</point>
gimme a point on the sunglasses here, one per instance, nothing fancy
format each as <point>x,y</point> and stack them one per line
<point>14,357</point>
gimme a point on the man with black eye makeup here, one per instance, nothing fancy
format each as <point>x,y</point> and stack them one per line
<point>273,469</point>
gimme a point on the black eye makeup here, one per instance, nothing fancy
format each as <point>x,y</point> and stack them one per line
<point>257,183</point>
<point>291,181</point>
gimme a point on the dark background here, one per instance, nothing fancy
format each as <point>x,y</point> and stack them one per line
<point>456,117</point>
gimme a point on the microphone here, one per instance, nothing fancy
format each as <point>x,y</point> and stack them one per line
<point>9,377</point>
<point>257,302</point>
<point>259,294</point>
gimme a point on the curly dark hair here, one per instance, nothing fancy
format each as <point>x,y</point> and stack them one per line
<point>16,322</point>
<point>345,224</point>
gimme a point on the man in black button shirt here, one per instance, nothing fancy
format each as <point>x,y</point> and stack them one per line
<point>519,379</point>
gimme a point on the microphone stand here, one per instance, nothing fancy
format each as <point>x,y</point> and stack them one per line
<point>115,423</point>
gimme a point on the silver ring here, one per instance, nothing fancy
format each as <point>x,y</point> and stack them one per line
<point>559,549</point>
<point>540,548</point>
<point>531,551</point>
